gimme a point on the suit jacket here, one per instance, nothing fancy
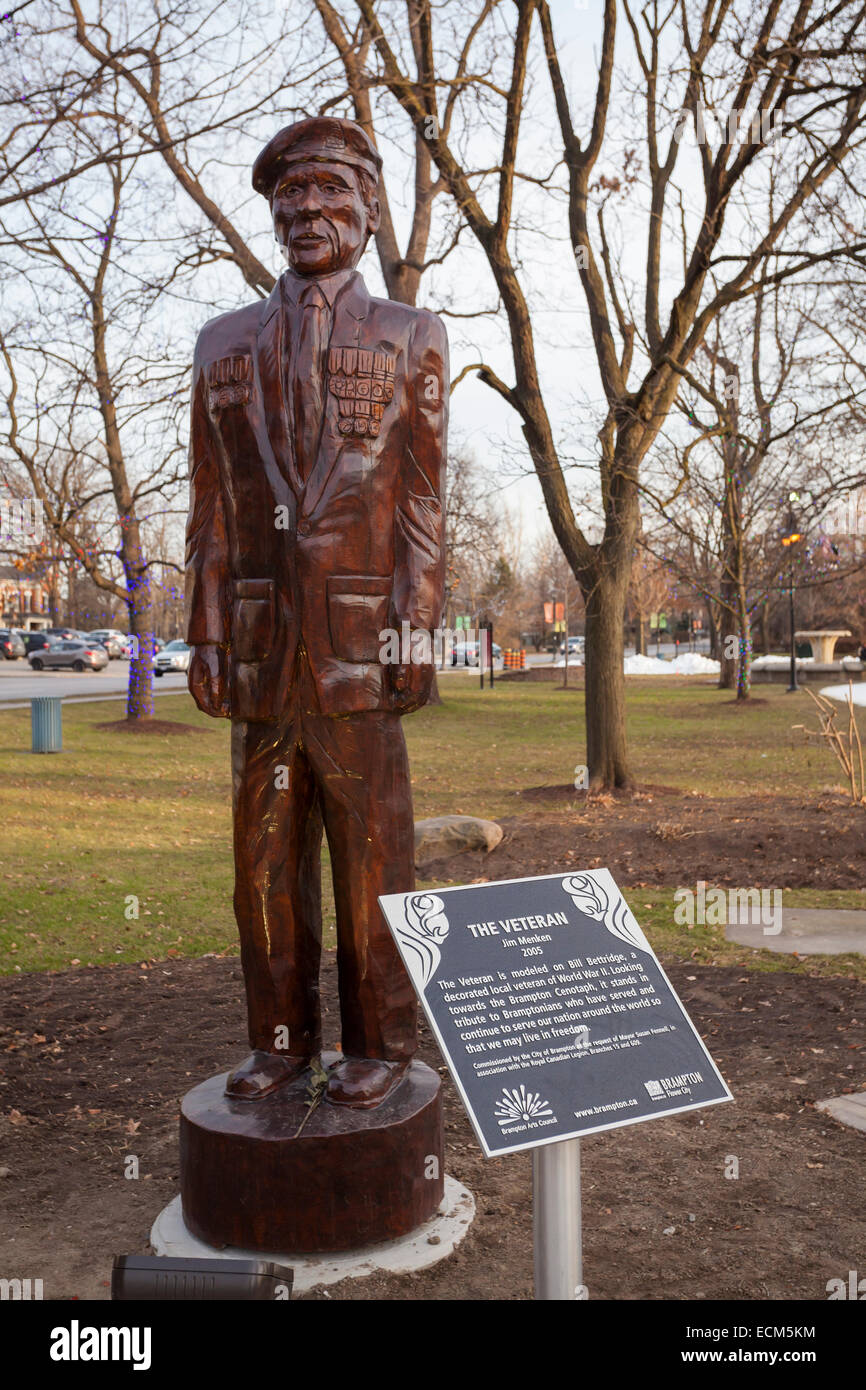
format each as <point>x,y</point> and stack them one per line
<point>357,547</point>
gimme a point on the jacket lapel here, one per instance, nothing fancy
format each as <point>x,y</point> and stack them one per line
<point>350,309</point>
<point>273,425</point>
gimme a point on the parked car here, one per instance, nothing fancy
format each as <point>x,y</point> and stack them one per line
<point>174,657</point>
<point>81,656</point>
<point>36,641</point>
<point>11,646</point>
<point>576,646</point>
<point>466,653</point>
<point>113,642</point>
<point>69,634</point>
<point>126,652</point>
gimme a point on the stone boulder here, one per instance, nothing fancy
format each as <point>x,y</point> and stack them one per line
<point>441,836</point>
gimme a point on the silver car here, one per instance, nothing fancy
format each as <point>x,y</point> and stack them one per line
<point>81,656</point>
<point>110,639</point>
<point>174,657</point>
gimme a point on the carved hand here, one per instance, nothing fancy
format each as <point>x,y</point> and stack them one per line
<point>411,685</point>
<point>208,680</point>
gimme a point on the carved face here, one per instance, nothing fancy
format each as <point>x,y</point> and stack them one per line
<point>320,217</point>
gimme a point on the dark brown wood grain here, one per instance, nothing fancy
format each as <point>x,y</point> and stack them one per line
<point>350,1178</point>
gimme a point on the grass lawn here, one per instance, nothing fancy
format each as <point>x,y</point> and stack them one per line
<point>119,824</point>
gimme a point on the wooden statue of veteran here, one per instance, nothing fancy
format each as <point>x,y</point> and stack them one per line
<point>316,521</point>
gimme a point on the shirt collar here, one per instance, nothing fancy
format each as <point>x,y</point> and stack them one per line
<point>330,285</point>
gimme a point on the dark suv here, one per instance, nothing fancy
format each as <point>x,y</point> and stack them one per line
<point>36,641</point>
<point>11,646</point>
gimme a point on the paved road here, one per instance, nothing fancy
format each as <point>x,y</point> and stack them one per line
<point>19,684</point>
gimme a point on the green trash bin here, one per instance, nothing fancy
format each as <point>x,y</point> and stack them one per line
<point>46,724</point>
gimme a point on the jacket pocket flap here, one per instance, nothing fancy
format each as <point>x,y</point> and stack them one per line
<point>254,588</point>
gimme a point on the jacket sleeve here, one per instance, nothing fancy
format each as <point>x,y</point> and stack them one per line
<point>208,613</point>
<point>419,542</point>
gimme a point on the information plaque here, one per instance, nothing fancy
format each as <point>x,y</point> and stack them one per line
<point>550,1008</point>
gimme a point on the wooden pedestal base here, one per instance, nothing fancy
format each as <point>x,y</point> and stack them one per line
<point>350,1178</point>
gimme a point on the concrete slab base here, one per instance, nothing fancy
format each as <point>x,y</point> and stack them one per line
<point>433,1241</point>
<point>848,1110</point>
<point>810,931</point>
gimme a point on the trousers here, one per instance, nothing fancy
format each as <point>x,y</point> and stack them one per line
<point>349,775</point>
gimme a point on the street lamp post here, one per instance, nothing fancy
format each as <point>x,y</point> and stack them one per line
<point>565,615</point>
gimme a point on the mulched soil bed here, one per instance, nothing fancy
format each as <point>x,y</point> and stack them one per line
<point>93,1062</point>
<point>664,837</point>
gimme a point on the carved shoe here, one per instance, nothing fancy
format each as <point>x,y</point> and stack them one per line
<point>363,1082</point>
<point>262,1073</point>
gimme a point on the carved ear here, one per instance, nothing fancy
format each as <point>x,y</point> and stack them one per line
<point>373,215</point>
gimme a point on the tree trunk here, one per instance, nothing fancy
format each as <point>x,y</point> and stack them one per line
<point>139,694</point>
<point>734,613</point>
<point>71,597</point>
<point>641,636</point>
<point>606,747</point>
<point>54,596</point>
<point>713,630</point>
<point>727,631</point>
<point>765,627</point>
<point>744,669</point>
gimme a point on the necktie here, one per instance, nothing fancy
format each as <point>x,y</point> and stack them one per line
<point>308,386</point>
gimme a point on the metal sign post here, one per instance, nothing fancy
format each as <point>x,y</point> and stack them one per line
<point>556,1222</point>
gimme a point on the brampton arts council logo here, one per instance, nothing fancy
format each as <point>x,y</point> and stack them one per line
<point>521,1109</point>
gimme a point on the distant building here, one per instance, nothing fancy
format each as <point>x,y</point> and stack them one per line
<point>23,600</point>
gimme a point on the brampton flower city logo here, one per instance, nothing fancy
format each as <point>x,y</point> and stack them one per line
<point>612,911</point>
<point>423,931</point>
<point>520,1104</point>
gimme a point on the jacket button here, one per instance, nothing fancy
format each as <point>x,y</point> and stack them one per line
<point>303,528</point>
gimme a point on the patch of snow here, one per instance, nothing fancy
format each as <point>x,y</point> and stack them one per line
<point>694,664</point>
<point>840,692</point>
<point>687,664</point>
<point>764,663</point>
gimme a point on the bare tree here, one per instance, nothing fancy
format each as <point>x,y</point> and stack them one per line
<point>767,398</point>
<point>649,592</point>
<point>797,66</point>
<point>91,403</point>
